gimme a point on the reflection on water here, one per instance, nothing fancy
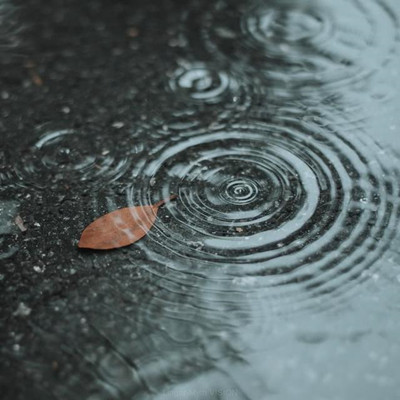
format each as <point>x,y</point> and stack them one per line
<point>275,123</point>
<point>307,45</point>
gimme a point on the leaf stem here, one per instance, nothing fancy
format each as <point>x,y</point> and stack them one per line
<point>162,202</point>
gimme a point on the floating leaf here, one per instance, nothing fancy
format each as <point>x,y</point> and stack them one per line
<point>121,227</point>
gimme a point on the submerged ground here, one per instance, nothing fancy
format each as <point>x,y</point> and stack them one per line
<point>275,274</point>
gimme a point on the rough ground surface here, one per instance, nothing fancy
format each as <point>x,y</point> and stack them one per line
<point>276,272</point>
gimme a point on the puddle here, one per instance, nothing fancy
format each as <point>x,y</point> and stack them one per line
<point>275,271</point>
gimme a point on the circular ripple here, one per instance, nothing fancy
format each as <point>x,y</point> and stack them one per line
<point>199,83</point>
<point>200,94</point>
<point>70,156</point>
<point>287,203</point>
<point>239,191</point>
<point>304,44</point>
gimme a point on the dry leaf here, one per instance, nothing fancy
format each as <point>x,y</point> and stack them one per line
<point>121,227</point>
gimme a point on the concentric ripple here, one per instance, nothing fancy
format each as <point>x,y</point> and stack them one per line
<point>199,83</point>
<point>69,155</point>
<point>289,203</point>
<point>305,44</point>
<point>207,92</point>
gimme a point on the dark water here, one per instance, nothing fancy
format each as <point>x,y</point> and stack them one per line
<point>276,272</point>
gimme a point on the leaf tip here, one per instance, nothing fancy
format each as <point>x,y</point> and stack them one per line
<point>81,243</point>
<point>85,242</point>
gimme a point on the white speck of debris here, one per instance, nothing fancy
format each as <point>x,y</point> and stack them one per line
<point>238,229</point>
<point>105,152</point>
<point>152,181</point>
<point>225,33</point>
<point>16,347</point>
<point>38,269</point>
<point>118,125</point>
<point>66,110</point>
<point>20,223</point>
<point>22,310</point>
<point>36,224</point>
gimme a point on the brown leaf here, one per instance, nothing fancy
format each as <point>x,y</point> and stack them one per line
<point>121,227</point>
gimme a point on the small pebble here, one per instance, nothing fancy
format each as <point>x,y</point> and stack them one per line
<point>22,310</point>
<point>118,125</point>
<point>20,223</point>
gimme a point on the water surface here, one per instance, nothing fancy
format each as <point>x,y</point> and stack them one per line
<point>275,273</point>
